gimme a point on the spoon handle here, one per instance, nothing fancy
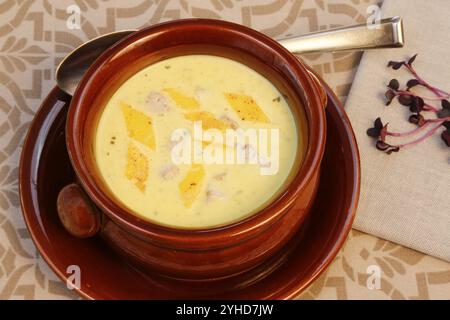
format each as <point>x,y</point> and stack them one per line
<point>388,34</point>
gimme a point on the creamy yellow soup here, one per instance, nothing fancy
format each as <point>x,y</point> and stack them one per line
<point>158,146</point>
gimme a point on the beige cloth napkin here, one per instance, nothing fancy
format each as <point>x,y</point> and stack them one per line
<point>405,196</point>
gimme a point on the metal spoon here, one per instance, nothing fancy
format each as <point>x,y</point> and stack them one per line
<point>388,34</point>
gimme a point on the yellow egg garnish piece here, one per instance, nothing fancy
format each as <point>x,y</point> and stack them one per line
<point>209,121</point>
<point>182,100</point>
<point>191,185</point>
<point>246,108</point>
<point>139,125</point>
<point>137,167</point>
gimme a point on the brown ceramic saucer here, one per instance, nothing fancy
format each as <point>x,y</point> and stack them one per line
<point>45,169</point>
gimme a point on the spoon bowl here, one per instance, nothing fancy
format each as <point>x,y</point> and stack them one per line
<point>75,64</point>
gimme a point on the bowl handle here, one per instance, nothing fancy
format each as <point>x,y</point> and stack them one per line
<point>79,216</point>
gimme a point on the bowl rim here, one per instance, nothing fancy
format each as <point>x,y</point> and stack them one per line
<point>314,110</point>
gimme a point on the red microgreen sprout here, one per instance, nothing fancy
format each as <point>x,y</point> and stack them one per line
<point>417,104</point>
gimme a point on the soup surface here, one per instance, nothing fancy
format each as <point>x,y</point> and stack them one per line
<point>158,142</point>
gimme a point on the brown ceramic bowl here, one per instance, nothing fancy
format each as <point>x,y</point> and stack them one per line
<point>186,253</point>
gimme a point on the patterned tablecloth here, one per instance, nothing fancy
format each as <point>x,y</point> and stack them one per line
<point>35,36</point>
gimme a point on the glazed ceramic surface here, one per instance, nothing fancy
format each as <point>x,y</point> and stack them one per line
<point>45,169</point>
<point>217,252</point>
